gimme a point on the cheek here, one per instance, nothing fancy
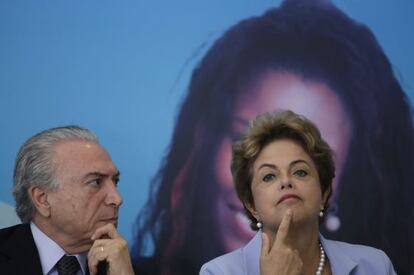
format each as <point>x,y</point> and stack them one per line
<point>314,198</point>
<point>263,198</point>
<point>266,209</point>
<point>85,204</point>
<point>339,140</point>
<point>222,164</point>
<point>78,206</point>
<point>65,210</point>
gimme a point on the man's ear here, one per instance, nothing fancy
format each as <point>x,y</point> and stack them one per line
<point>40,200</point>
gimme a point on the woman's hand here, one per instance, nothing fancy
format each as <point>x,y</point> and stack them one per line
<point>109,246</point>
<point>279,258</point>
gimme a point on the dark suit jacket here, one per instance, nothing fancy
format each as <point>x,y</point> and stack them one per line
<point>18,252</point>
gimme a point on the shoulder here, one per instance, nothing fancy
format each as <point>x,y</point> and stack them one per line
<point>358,252</point>
<point>8,232</point>
<point>14,238</point>
<point>365,258</point>
<point>18,252</point>
<point>244,260</point>
<point>230,263</point>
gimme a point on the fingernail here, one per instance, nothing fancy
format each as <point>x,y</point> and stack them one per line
<point>289,212</point>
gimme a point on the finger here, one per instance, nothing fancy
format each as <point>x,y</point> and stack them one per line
<point>104,249</point>
<point>114,252</point>
<point>283,230</point>
<point>106,230</point>
<point>92,268</point>
<point>265,245</point>
<point>100,251</point>
<point>93,259</point>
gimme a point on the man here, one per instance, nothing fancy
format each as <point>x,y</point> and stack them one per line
<point>65,188</point>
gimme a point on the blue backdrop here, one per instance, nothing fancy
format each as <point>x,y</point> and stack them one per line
<point>121,69</point>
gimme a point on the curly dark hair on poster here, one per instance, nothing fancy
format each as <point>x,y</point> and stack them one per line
<point>180,226</point>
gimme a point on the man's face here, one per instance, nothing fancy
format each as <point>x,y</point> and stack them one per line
<point>87,197</point>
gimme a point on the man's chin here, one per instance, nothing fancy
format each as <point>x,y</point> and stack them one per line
<point>113,221</point>
<point>80,247</point>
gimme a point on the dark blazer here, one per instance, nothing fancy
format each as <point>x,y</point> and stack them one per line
<point>18,252</point>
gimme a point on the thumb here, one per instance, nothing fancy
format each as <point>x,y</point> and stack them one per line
<point>265,245</point>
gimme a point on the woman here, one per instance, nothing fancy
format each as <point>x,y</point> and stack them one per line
<point>283,172</point>
<point>305,56</point>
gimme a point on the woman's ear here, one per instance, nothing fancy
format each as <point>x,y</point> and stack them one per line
<point>40,200</point>
<point>250,207</point>
<point>326,195</point>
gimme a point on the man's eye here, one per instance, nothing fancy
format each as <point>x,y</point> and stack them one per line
<point>269,177</point>
<point>95,182</point>
<point>301,173</point>
<point>116,181</point>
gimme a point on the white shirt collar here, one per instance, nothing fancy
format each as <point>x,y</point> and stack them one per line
<point>50,252</point>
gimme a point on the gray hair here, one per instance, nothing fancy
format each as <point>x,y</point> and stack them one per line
<point>34,165</point>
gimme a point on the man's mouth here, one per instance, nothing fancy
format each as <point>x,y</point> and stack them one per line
<point>113,220</point>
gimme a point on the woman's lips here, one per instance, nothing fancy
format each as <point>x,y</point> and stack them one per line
<point>288,197</point>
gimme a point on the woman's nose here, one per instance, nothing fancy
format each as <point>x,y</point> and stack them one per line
<point>286,184</point>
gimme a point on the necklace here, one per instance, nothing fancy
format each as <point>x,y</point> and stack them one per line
<point>321,260</point>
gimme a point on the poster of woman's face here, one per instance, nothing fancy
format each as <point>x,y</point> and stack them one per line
<point>310,58</point>
<point>169,87</point>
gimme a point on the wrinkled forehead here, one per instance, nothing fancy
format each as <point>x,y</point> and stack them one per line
<point>76,158</point>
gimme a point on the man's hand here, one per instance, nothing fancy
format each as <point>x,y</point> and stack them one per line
<point>279,258</point>
<point>109,246</point>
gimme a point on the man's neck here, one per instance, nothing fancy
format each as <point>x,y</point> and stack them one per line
<point>50,252</point>
<point>70,245</point>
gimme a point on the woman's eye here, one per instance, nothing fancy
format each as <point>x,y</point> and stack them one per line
<point>269,177</point>
<point>301,173</point>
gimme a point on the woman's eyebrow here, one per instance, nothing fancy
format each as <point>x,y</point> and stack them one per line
<point>268,165</point>
<point>298,161</point>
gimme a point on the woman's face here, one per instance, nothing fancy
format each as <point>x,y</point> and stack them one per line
<point>285,177</point>
<point>277,90</point>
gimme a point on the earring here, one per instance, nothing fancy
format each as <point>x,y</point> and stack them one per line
<point>259,224</point>
<point>321,212</point>
<point>332,221</point>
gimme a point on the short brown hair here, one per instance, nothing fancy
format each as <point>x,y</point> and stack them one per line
<point>269,127</point>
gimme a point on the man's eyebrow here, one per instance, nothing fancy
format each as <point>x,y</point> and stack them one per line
<point>101,175</point>
<point>117,175</point>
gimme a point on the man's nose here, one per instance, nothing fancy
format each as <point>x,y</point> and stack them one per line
<point>113,197</point>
